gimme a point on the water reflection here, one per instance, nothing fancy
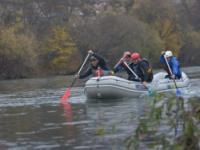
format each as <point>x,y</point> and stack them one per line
<point>37,119</point>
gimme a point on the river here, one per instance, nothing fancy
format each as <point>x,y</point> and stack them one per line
<point>32,116</point>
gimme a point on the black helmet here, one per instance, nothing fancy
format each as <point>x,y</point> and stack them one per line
<point>93,58</point>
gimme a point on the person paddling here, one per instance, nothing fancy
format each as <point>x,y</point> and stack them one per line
<point>138,69</point>
<point>98,66</point>
<point>173,64</point>
<point>120,66</point>
<point>142,69</point>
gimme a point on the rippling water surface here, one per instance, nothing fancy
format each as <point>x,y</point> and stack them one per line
<point>34,117</point>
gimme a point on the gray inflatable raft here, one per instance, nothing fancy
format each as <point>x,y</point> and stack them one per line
<point>111,87</point>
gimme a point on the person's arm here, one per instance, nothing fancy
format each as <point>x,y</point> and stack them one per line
<point>86,74</point>
<point>119,68</point>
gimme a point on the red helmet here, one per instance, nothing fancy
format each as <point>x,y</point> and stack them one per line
<point>135,56</point>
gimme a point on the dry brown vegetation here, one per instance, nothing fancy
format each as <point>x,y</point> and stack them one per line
<point>53,36</point>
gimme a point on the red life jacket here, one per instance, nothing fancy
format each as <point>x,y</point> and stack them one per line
<point>99,72</point>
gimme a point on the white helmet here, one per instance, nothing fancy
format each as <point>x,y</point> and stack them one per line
<point>168,54</point>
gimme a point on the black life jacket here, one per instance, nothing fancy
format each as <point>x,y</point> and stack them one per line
<point>147,74</point>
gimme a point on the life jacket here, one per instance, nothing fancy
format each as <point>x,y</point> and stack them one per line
<point>148,70</point>
<point>100,72</point>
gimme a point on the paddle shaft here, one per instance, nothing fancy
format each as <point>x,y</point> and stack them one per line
<point>125,63</point>
<point>177,103</point>
<point>80,69</point>
<point>170,71</point>
<point>119,62</point>
<point>73,82</point>
<point>137,77</point>
<point>65,97</point>
<point>83,63</point>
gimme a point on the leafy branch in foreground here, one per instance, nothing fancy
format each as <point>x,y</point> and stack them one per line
<point>172,123</point>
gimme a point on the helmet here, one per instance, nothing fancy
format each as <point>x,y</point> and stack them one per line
<point>135,56</point>
<point>93,58</point>
<point>127,54</point>
<point>168,53</point>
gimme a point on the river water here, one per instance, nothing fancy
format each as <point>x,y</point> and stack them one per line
<point>32,116</point>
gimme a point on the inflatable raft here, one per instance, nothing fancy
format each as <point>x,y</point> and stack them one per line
<point>110,87</point>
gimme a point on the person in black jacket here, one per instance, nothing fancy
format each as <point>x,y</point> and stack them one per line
<point>142,69</point>
<point>138,70</point>
<point>98,66</point>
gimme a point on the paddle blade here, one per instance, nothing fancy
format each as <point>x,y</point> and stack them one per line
<point>178,92</point>
<point>65,97</point>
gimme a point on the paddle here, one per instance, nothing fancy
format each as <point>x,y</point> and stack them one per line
<point>67,92</point>
<point>150,92</point>
<point>119,62</point>
<point>178,91</point>
<point>125,63</point>
<point>126,54</point>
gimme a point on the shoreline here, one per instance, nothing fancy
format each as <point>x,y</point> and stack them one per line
<point>65,81</point>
